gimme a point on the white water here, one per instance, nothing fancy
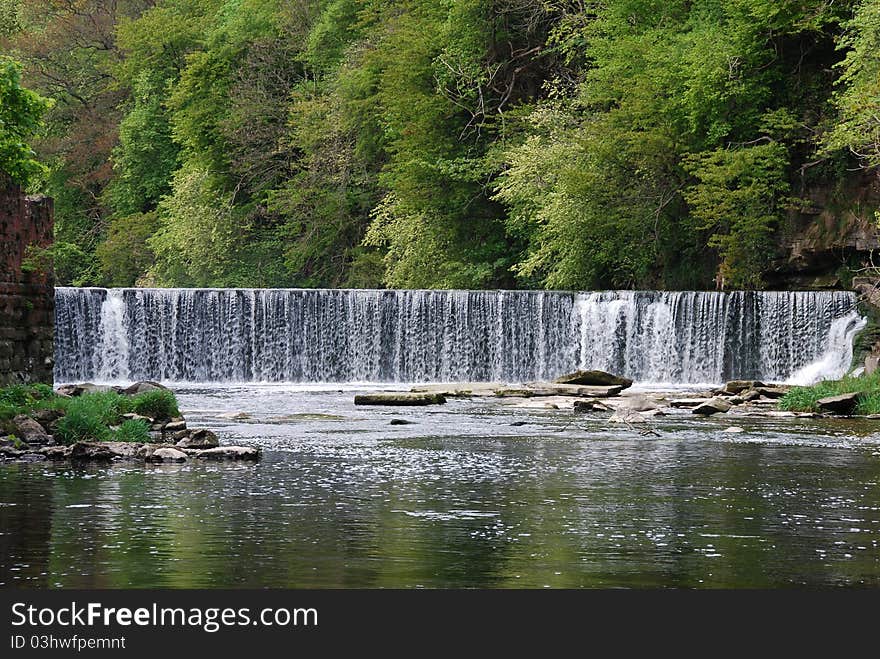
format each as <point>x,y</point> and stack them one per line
<point>280,335</point>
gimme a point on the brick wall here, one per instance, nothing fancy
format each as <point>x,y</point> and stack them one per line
<point>27,299</point>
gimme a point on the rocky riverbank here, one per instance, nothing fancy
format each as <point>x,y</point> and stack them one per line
<point>51,427</point>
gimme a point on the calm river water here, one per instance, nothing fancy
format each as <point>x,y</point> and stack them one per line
<point>458,498</point>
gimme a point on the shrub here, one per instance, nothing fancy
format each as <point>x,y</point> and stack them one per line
<point>157,404</point>
<point>132,430</point>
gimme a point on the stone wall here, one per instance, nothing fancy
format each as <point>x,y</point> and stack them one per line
<point>27,299</point>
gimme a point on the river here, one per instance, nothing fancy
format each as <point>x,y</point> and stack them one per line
<point>460,497</point>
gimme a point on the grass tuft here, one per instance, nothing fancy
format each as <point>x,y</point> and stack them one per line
<point>803,399</point>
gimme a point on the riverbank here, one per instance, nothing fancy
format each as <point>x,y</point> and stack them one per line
<point>89,422</point>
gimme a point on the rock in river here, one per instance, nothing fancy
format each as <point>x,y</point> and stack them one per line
<point>842,404</point>
<point>399,398</point>
<point>738,386</point>
<point>168,455</point>
<point>594,378</point>
<point>230,453</point>
<point>712,406</point>
<point>200,438</point>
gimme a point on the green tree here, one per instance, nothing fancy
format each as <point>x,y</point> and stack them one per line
<point>21,112</point>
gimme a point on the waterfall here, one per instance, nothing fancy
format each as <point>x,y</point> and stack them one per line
<point>277,335</point>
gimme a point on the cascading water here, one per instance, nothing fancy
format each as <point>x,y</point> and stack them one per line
<point>274,335</point>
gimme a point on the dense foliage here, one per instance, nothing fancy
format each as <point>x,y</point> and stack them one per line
<point>20,114</point>
<point>455,143</point>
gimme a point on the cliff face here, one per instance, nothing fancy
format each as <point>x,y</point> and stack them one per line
<point>830,241</point>
<point>27,299</point>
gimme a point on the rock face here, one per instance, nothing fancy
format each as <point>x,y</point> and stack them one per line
<point>168,455</point>
<point>712,406</point>
<point>842,404</point>
<point>399,399</point>
<point>594,378</point>
<point>31,432</point>
<point>200,438</point>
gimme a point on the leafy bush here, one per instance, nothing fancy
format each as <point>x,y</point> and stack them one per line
<point>803,399</point>
<point>157,404</point>
<point>132,430</point>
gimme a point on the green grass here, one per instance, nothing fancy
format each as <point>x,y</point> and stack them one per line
<point>803,399</point>
<point>157,404</point>
<point>22,399</point>
<point>132,431</point>
<point>89,417</point>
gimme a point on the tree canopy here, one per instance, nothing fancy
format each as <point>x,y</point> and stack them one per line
<point>464,143</point>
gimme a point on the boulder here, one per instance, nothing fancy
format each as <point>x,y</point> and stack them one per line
<point>91,451</point>
<point>166,454</point>
<point>842,404</point>
<point>142,387</point>
<point>174,426</point>
<point>31,432</point>
<point>399,398</point>
<point>712,406</point>
<point>200,438</point>
<point>738,386</point>
<point>594,378</point>
<point>230,453</point>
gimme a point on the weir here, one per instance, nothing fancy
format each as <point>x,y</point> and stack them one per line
<point>292,335</point>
